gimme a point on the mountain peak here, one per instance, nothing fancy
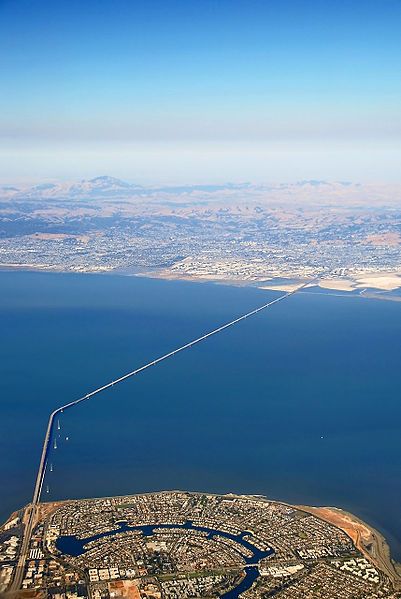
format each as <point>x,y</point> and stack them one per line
<point>107,181</point>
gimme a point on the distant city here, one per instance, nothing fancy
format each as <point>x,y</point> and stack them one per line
<point>240,233</point>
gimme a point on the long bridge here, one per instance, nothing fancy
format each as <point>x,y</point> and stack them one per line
<point>17,580</point>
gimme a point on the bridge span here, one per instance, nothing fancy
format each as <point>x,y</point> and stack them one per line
<point>17,580</point>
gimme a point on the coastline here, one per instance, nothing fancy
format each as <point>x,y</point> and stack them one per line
<point>369,541</point>
<point>377,285</point>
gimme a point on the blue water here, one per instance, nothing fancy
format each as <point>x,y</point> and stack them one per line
<point>243,412</point>
<point>71,545</point>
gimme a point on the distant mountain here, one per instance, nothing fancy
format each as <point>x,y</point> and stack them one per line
<point>105,183</point>
<point>202,188</point>
<point>8,191</point>
<point>103,187</point>
<point>319,183</point>
<point>8,188</point>
<point>112,189</point>
<point>43,187</point>
<point>99,187</point>
<point>311,182</point>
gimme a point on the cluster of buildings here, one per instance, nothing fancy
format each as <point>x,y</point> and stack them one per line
<point>242,241</point>
<point>10,541</point>
<point>322,581</point>
<point>359,567</point>
<point>180,545</point>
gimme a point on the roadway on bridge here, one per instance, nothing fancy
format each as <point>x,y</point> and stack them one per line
<point>46,443</point>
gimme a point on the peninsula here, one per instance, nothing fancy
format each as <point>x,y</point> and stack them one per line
<point>179,545</point>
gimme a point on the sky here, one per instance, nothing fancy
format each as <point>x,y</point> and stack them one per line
<point>199,90</point>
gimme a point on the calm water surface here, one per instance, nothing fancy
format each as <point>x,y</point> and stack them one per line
<point>71,545</point>
<point>300,403</point>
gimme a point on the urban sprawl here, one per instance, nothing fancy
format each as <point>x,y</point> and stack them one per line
<point>180,545</point>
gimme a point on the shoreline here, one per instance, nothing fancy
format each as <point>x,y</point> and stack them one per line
<point>368,540</point>
<point>368,285</point>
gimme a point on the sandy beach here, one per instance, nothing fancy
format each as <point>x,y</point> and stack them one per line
<point>366,538</point>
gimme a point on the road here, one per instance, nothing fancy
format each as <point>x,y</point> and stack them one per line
<point>19,571</point>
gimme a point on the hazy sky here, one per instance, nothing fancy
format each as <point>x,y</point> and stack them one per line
<point>200,90</point>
